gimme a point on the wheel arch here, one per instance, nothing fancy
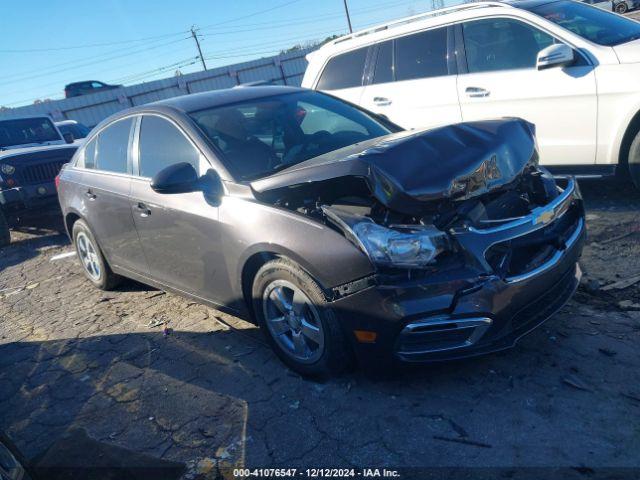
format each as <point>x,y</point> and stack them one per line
<point>70,218</point>
<point>256,257</point>
<point>633,127</point>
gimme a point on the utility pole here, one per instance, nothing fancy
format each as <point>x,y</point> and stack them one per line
<point>346,9</point>
<point>195,37</point>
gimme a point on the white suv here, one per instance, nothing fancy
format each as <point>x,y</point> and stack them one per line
<point>571,69</point>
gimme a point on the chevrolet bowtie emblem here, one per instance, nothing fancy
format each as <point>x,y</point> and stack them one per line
<point>546,217</point>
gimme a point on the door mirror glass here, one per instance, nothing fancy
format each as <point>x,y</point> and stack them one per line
<point>556,55</point>
<point>68,137</point>
<point>177,178</point>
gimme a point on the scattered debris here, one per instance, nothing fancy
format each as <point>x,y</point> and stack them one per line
<point>464,441</point>
<point>295,405</point>
<point>242,354</point>
<point>575,382</point>
<point>31,286</point>
<point>60,256</point>
<point>631,396</point>
<point>628,305</point>
<point>618,237</point>
<point>607,352</point>
<point>627,282</point>
<point>156,322</point>
<point>166,331</point>
<point>156,294</point>
<point>458,429</point>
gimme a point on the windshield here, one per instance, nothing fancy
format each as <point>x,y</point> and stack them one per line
<point>25,131</point>
<point>76,129</point>
<point>264,135</point>
<point>591,23</point>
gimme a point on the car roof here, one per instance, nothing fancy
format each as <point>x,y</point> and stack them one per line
<point>529,4</point>
<point>218,98</point>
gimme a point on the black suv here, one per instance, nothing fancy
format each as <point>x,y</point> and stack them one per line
<point>85,88</point>
<point>32,152</point>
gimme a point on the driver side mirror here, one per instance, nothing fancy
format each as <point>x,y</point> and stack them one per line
<point>556,55</point>
<point>183,178</point>
<point>68,137</point>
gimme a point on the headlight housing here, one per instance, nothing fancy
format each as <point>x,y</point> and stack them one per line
<point>403,246</point>
<point>7,169</point>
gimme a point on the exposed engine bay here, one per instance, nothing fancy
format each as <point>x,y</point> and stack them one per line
<point>407,200</point>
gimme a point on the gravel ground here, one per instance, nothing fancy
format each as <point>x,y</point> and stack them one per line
<point>75,359</point>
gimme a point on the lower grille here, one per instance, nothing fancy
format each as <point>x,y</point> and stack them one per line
<point>40,173</point>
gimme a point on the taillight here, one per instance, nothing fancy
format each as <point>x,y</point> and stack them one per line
<point>57,181</point>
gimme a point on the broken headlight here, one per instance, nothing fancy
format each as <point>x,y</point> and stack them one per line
<point>404,246</point>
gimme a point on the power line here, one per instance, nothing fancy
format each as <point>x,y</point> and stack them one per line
<point>92,45</point>
<point>144,50</point>
<point>260,12</point>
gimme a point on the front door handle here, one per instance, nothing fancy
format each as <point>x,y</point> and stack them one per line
<point>90,195</point>
<point>143,210</point>
<point>476,92</point>
<point>381,101</point>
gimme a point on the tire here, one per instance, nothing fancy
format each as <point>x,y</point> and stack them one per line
<point>621,8</point>
<point>633,162</point>
<point>309,322</point>
<point>94,265</point>
<point>7,446</point>
<point>5,232</point>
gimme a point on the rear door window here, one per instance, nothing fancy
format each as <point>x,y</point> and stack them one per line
<point>422,55</point>
<point>162,145</point>
<point>344,71</point>
<point>112,149</point>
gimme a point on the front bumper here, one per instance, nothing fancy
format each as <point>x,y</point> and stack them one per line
<point>29,197</point>
<point>472,310</point>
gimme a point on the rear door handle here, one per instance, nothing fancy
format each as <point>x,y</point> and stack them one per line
<point>476,92</point>
<point>143,209</point>
<point>381,101</point>
<point>90,195</point>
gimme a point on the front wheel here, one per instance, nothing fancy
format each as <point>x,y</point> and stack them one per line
<point>5,233</point>
<point>95,267</point>
<point>302,329</point>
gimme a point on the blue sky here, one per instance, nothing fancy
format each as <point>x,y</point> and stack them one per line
<point>49,43</point>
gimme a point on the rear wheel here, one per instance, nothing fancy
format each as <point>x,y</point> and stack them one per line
<point>5,233</point>
<point>634,161</point>
<point>292,311</point>
<point>94,265</point>
<point>621,8</point>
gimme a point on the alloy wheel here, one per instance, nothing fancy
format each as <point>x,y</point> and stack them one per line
<point>88,256</point>
<point>293,321</point>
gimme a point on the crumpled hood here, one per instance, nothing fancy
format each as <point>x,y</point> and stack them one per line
<point>628,52</point>
<point>403,170</point>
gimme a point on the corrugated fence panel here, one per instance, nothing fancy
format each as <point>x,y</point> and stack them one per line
<point>91,109</point>
<point>214,83</point>
<point>93,114</point>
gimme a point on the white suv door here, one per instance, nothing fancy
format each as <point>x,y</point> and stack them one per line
<point>413,80</point>
<point>502,81</point>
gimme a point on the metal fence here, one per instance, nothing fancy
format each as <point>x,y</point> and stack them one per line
<point>284,69</point>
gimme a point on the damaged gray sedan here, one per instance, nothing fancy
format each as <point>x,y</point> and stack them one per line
<point>341,235</point>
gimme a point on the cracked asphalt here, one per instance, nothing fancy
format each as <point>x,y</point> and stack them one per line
<point>73,357</point>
